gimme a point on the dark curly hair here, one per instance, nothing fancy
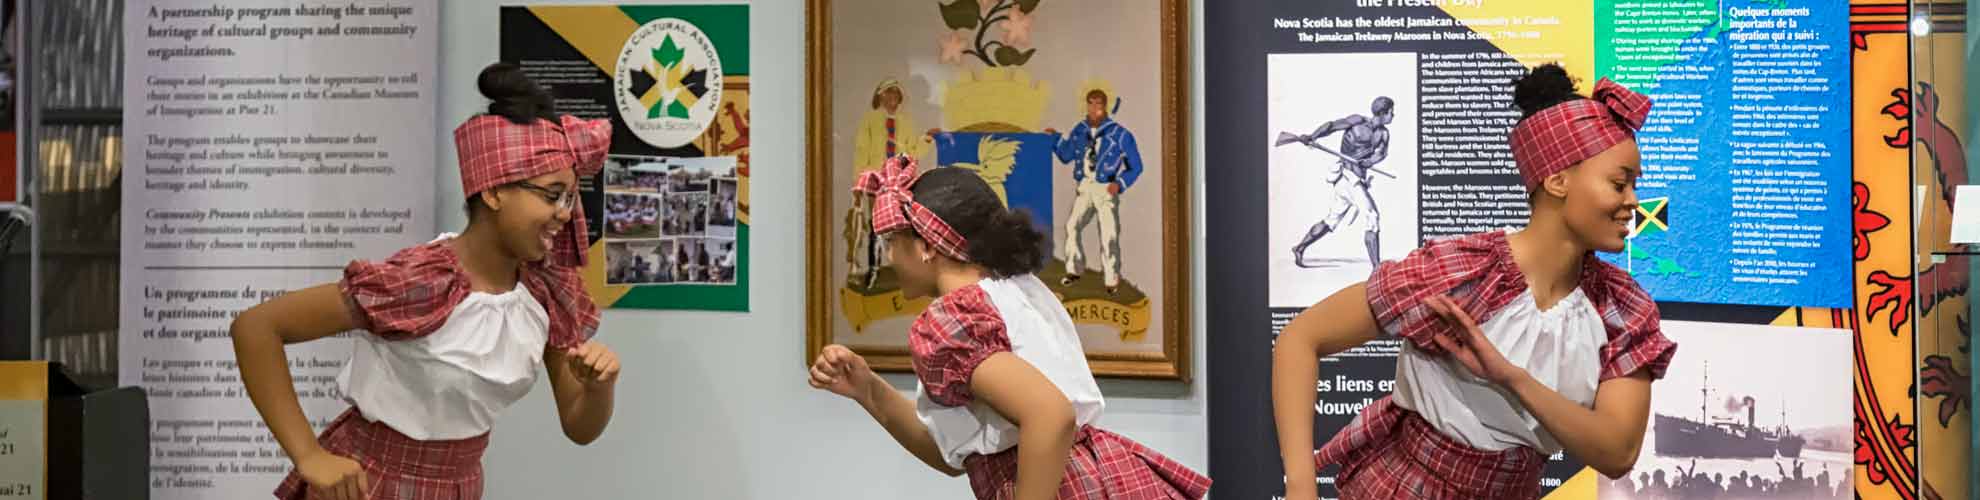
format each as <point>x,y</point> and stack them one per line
<point>1000,239</point>
<point>514,95</point>
<point>1542,88</point>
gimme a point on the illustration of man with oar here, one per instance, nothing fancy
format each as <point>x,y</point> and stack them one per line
<point>1364,143</point>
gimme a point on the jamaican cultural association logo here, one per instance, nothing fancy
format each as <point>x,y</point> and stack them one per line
<point>668,82</point>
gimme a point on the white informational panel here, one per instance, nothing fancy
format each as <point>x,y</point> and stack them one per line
<point>267,145</point>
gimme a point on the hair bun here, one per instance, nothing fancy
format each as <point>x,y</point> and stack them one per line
<point>513,95</point>
<point>1542,88</point>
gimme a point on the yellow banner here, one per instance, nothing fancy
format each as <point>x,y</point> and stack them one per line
<point>861,310</point>
<point>24,380</point>
<point>1130,319</point>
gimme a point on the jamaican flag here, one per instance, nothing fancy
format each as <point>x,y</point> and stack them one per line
<point>1652,217</point>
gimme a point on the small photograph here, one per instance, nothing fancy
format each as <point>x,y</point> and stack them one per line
<point>687,214</point>
<point>689,180</point>
<point>628,263</point>
<point>662,256</point>
<point>722,209</point>
<point>632,216</point>
<point>634,174</point>
<point>691,260</point>
<point>722,257</point>
<point>1730,425</point>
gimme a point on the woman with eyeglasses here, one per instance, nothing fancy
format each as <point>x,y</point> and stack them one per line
<point>454,330</point>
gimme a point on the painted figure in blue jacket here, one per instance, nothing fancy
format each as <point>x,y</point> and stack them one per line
<point>1105,162</point>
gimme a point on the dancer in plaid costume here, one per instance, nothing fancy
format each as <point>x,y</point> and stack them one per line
<point>456,329</point>
<point>1006,395</point>
<point>1517,344</point>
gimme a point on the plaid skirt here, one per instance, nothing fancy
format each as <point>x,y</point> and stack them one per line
<point>397,467</point>
<point>1103,466</point>
<point>1390,452</point>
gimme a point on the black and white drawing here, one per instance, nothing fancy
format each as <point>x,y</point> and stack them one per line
<point>1364,144</point>
<point>1342,170</point>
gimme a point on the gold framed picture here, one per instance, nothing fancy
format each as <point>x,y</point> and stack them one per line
<point>1074,110</point>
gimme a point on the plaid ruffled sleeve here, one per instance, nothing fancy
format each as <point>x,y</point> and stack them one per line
<point>1472,270</point>
<point>561,291</point>
<point>407,296</point>
<point>1636,334</point>
<point>952,337</point>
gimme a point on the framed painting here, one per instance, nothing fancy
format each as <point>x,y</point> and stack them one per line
<point>1073,110</point>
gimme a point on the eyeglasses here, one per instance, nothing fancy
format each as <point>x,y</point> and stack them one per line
<point>563,200</point>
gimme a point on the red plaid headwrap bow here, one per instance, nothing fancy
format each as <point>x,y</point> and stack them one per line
<point>1558,137</point>
<point>495,151</point>
<point>894,208</point>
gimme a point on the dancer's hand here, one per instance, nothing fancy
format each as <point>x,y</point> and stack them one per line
<point>594,364</point>
<point>1471,348</point>
<point>330,476</point>
<point>842,372</point>
<point>1114,188</point>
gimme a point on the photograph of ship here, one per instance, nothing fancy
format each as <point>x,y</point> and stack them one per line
<point>1726,424</point>
<point>1725,436</point>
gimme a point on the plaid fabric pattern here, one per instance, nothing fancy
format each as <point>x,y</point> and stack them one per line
<point>397,467</point>
<point>1636,339</point>
<point>411,294</point>
<point>495,151</point>
<point>1567,133</point>
<point>892,186</point>
<point>1477,271</point>
<point>1103,466</point>
<point>954,335</point>
<point>1390,452</point>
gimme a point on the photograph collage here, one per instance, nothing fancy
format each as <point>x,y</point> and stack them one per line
<point>670,220</point>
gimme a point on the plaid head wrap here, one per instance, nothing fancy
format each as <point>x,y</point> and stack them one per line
<point>1568,133</point>
<point>894,208</point>
<point>495,151</point>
